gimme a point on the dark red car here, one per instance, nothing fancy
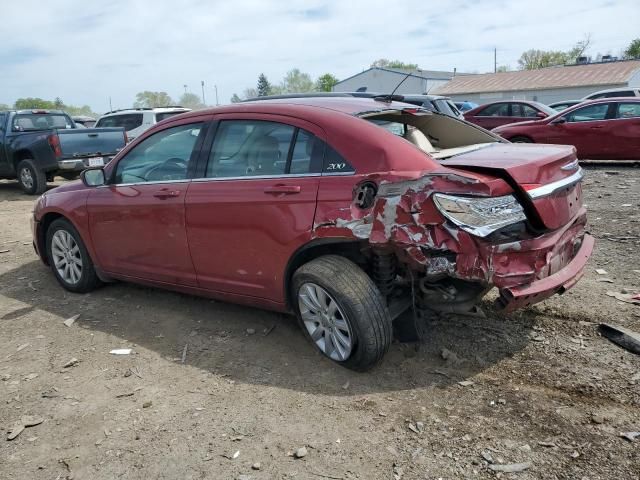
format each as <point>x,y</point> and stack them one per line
<point>608,128</point>
<point>341,210</point>
<point>491,115</point>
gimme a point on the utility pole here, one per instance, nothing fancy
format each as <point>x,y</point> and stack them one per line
<point>203,100</point>
<point>495,60</point>
<point>185,88</point>
<point>110,106</point>
<point>216,88</point>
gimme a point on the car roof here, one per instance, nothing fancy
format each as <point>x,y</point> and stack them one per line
<point>147,109</point>
<point>617,89</point>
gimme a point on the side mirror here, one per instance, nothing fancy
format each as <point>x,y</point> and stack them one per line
<point>93,177</point>
<point>558,121</point>
<point>541,115</point>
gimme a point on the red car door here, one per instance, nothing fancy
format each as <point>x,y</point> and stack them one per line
<point>255,203</point>
<point>137,222</point>
<point>587,128</point>
<point>625,131</point>
<point>491,116</point>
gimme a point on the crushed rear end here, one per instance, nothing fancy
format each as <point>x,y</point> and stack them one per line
<point>492,214</point>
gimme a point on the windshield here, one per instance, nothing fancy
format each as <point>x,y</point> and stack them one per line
<point>547,109</point>
<point>23,122</point>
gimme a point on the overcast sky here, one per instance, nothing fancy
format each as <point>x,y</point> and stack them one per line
<point>85,52</point>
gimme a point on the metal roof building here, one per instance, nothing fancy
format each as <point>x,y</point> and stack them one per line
<point>384,80</point>
<point>546,85</point>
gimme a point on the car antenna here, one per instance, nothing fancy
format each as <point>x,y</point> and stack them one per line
<point>389,98</point>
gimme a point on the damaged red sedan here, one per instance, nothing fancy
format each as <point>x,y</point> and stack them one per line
<point>344,211</point>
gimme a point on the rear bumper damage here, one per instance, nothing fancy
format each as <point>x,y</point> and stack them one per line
<point>445,258</point>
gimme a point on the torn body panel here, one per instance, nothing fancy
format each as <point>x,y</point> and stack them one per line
<point>404,220</point>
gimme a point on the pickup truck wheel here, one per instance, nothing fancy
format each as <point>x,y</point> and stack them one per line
<point>342,312</point>
<point>69,259</point>
<point>32,180</point>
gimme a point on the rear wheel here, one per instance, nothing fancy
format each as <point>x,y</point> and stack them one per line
<point>32,180</point>
<point>521,140</point>
<point>69,258</point>
<point>342,312</point>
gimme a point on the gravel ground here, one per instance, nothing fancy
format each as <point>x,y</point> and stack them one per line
<point>539,387</point>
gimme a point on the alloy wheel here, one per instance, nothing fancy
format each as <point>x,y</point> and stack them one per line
<point>26,178</point>
<point>324,320</point>
<point>66,257</point>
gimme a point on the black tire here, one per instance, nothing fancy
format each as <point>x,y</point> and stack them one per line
<point>88,279</point>
<point>358,298</point>
<point>520,140</point>
<point>32,180</point>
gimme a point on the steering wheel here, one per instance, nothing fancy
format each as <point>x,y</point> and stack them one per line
<point>171,169</point>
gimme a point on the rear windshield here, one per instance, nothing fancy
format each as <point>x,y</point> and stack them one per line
<point>163,115</point>
<point>24,122</point>
<point>443,106</point>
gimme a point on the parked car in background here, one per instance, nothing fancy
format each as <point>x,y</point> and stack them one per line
<point>608,128</point>
<point>491,115</point>
<point>137,120</point>
<point>435,103</point>
<point>84,120</point>
<point>465,106</point>
<point>306,205</point>
<point>614,92</point>
<point>36,145</point>
<point>559,106</point>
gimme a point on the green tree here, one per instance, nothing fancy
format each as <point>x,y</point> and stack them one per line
<point>296,81</point>
<point>325,82</point>
<point>59,104</point>
<point>29,102</point>
<point>4,106</point>
<point>397,64</point>
<point>633,50</point>
<point>249,93</point>
<point>235,98</point>
<point>534,59</point>
<point>149,99</point>
<point>84,110</point>
<point>192,101</point>
<point>503,68</point>
<point>264,87</point>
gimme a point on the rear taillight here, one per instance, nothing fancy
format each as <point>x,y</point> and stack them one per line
<point>54,143</point>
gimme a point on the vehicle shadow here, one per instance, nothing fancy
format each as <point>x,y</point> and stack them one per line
<point>10,190</point>
<point>277,354</point>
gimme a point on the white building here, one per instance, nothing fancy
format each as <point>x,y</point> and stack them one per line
<point>385,80</point>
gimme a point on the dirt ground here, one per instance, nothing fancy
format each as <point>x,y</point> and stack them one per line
<point>539,386</point>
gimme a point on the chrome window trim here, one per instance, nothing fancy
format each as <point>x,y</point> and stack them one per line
<point>338,174</point>
<point>257,177</point>
<point>550,188</point>
<point>137,184</point>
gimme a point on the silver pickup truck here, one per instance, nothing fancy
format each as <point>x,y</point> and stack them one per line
<point>36,145</point>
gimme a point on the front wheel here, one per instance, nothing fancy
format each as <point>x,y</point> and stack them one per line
<point>342,312</point>
<point>69,258</point>
<point>32,180</point>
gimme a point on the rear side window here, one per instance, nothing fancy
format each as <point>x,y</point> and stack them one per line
<point>334,163</point>
<point>2,120</point>
<point>625,93</point>
<point>163,115</point>
<point>589,114</point>
<point>495,110</point>
<point>628,110</point>
<point>129,121</point>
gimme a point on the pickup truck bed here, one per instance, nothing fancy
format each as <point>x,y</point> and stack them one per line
<point>36,145</point>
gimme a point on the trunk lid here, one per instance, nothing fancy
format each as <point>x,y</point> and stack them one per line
<point>90,142</point>
<point>546,177</point>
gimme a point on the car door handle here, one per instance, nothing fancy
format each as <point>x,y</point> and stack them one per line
<point>286,189</point>
<point>166,193</point>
